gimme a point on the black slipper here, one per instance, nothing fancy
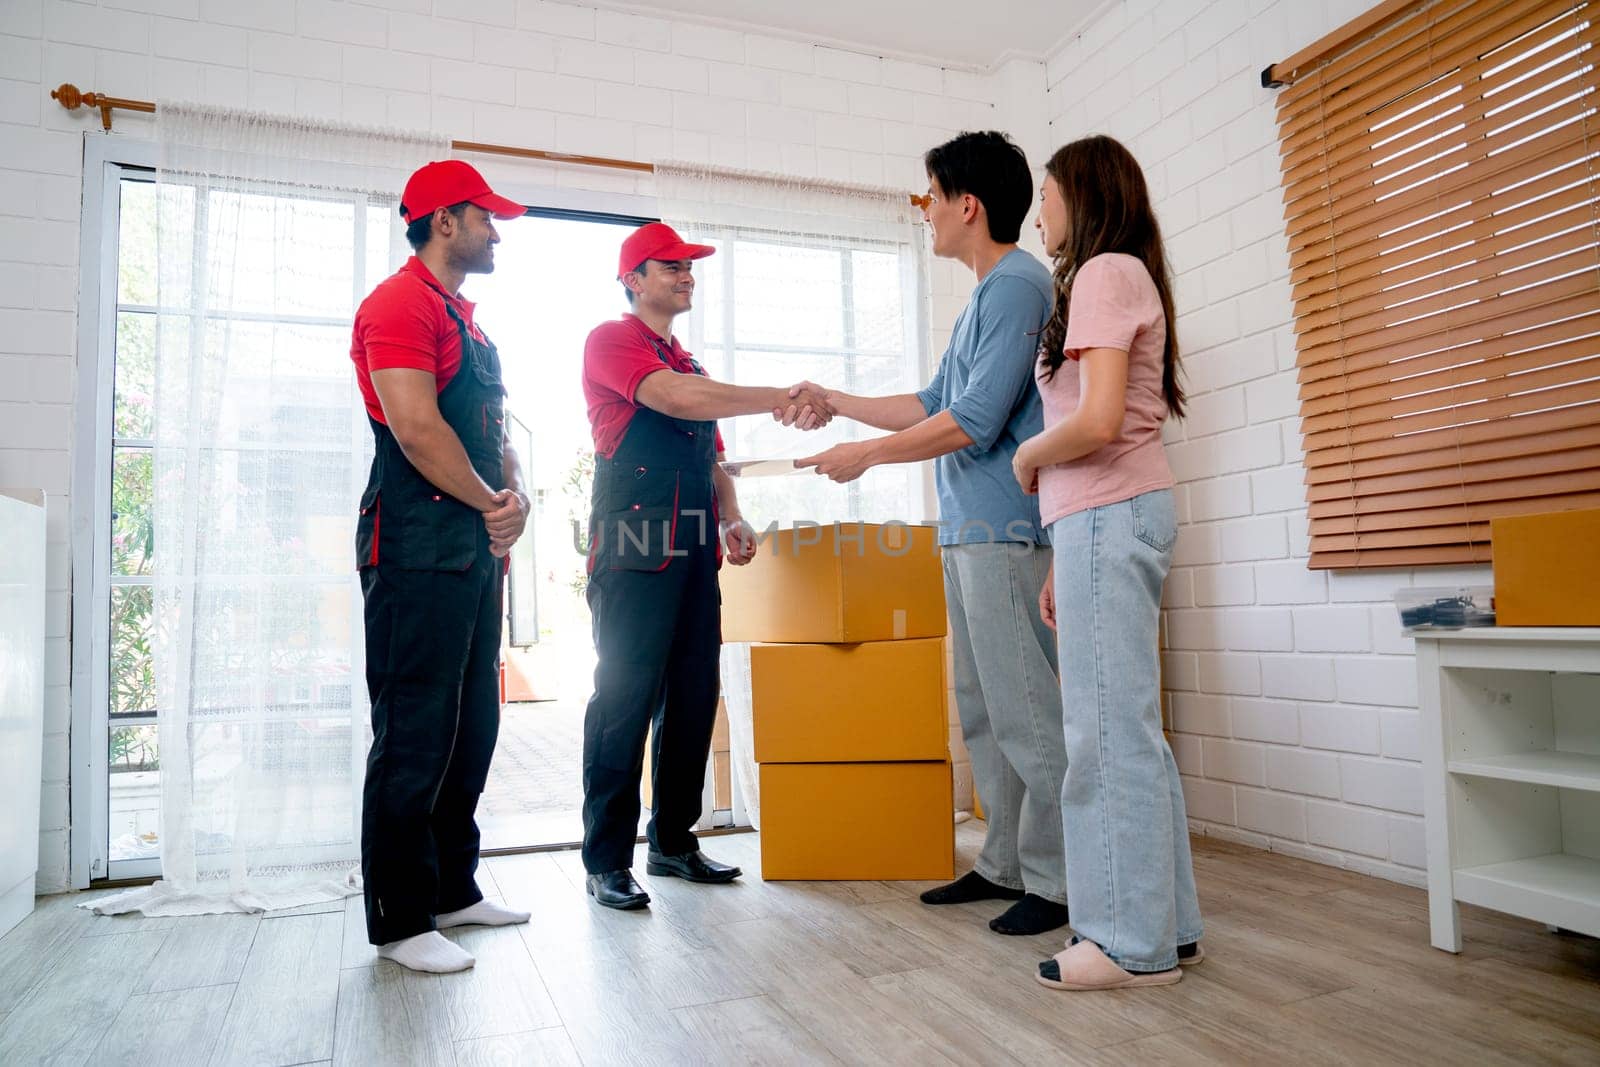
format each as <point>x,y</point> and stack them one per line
<point>1030,915</point>
<point>969,887</point>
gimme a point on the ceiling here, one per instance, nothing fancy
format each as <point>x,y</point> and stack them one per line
<point>974,34</point>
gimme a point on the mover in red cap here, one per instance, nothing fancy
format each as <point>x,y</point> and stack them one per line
<point>662,509</point>
<point>443,505</point>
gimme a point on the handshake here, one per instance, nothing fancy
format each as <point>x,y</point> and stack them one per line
<point>810,407</point>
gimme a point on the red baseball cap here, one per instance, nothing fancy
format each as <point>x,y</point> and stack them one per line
<point>657,240</point>
<point>448,182</point>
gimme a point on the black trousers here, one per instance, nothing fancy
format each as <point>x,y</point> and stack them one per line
<point>433,649</point>
<point>658,636</point>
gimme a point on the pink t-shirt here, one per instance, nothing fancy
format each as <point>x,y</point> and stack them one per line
<point>1114,305</point>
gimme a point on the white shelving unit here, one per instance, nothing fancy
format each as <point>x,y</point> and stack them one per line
<point>1510,721</point>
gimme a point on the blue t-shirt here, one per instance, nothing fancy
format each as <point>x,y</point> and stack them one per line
<point>985,379</point>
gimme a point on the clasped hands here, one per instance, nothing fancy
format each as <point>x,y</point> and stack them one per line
<point>505,523</point>
<point>810,407</point>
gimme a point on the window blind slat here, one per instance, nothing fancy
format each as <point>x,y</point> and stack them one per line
<point>1408,61</point>
<point>1544,252</point>
<point>1502,468</point>
<point>1350,145</point>
<point>1526,435</point>
<point>1472,133</point>
<point>1421,391</point>
<point>1563,396</point>
<point>1499,175</point>
<point>1512,228</point>
<point>1464,322</point>
<point>1543,323</point>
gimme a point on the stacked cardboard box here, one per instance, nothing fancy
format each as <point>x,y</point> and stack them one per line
<point>845,693</point>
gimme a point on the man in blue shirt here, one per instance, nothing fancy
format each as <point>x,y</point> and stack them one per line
<point>979,407</point>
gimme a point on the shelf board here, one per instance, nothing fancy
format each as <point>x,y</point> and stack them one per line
<point>1559,889</point>
<point>1564,770</point>
<point>1500,634</point>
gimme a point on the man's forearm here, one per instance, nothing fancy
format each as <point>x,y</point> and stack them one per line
<point>511,467</point>
<point>899,412</point>
<point>727,495</point>
<point>936,436</point>
<point>437,454</point>
<point>698,398</point>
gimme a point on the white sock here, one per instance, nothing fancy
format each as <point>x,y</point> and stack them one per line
<point>483,913</point>
<point>431,951</point>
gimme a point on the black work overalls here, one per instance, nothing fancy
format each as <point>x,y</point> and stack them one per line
<point>433,607</point>
<point>657,614</point>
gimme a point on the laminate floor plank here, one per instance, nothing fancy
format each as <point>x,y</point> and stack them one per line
<point>172,1028</point>
<point>204,950</point>
<point>284,1009</point>
<point>383,1019</point>
<point>64,1016</point>
<point>537,1047</point>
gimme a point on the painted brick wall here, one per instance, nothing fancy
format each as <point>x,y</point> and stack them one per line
<point>1291,693</point>
<point>560,76</point>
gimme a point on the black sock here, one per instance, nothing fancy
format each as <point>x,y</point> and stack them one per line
<point>1188,952</point>
<point>1030,915</point>
<point>969,887</point>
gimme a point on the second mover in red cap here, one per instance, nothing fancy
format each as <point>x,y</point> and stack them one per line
<point>657,240</point>
<point>448,182</point>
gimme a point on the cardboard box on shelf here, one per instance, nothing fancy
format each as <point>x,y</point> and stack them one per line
<point>1547,569</point>
<point>846,582</point>
<point>857,821</point>
<point>877,701</point>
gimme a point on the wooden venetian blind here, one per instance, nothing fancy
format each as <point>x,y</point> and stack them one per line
<point>1439,191</point>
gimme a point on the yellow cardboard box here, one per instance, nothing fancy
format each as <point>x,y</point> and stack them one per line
<point>857,821</point>
<point>1547,569</point>
<point>881,700</point>
<point>846,582</point>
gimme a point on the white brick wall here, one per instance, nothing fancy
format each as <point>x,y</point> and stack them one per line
<point>1297,684</point>
<point>551,75</point>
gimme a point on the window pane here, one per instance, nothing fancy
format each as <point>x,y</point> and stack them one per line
<point>133,681</point>
<point>136,254</point>
<point>135,793</point>
<point>876,300</point>
<point>709,278</point>
<point>136,370</point>
<point>787,296</point>
<point>132,542</point>
<point>284,383</point>
<point>380,226</point>
<point>277,255</point>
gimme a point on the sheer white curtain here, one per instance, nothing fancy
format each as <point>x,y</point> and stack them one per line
<point>811,280</point>
<point>270,231</point>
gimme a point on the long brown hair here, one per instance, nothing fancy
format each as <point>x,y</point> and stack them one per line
<point>1108,210</point>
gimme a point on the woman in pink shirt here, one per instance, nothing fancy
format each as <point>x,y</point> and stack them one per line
<point>1108,375</point>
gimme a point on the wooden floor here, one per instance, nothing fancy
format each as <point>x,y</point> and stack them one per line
<point>1306,964</point>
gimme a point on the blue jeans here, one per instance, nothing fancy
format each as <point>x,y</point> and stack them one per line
<point>1130,880</point>
<point>1006,694</point>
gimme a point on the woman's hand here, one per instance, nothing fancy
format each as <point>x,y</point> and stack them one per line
<point>1047,599</point>
<point>1026,467</point>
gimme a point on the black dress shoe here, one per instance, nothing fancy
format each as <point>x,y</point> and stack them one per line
<point>692,867</point>
<point>616,889</point>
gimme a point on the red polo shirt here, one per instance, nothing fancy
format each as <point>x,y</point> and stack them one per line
<point>618,356</point>
<point>403,323</point>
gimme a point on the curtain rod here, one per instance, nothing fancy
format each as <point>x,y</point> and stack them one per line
<point>70,97</point>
